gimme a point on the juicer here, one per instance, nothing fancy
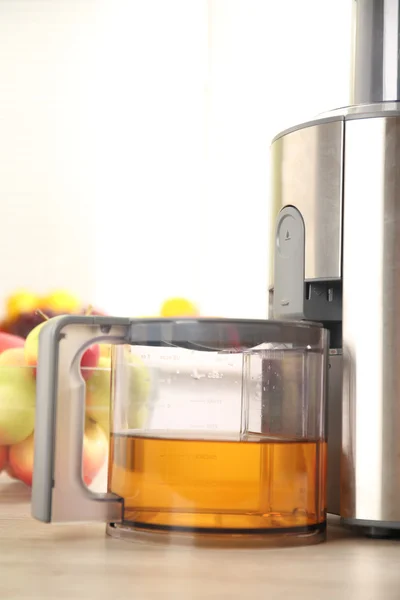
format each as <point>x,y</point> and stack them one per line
<point>335,250</point>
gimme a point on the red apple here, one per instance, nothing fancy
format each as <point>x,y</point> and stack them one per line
<point>3,457</point>
<point>89,361</point>
<point>21,460</point>
<point>8,340</point>
<point>95,448</point>
<point>10,472</point>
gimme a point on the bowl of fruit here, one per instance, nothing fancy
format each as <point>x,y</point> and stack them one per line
<point>19,343</point>
<point>19,339</point>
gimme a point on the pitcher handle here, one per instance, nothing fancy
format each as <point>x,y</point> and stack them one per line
<point>58,491</point>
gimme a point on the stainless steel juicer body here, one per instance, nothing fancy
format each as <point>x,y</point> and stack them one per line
<point>336,259</point>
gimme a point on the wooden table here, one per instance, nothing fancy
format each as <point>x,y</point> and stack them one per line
<point>74,562</point>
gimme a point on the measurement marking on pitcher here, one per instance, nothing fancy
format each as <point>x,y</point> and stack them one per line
<point>196,375</point>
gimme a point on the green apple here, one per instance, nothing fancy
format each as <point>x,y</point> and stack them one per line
<point>98,394</point>
<point>17,399</point>
<point>138,392</point>
<point>133,380</point>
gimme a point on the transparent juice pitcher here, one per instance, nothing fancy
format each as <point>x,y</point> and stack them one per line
<point>217,427</point>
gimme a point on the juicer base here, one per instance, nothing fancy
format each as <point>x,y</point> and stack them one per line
<point>313,534</point>
<point>374,529</point>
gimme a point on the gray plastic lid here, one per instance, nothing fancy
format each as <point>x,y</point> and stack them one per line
<point>221,334</point>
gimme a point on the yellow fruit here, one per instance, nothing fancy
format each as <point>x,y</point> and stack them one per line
<point>105,350</point>
<point>61,301</point>
<point>31,347</point>
<point>21,302</point>
<point>179,307</point>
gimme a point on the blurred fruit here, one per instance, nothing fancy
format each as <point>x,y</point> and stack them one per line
<point>23,310</point>
<point>14,360</point>
<point>234,337</point>
<point>133,381</point>
<point>95,448</point>
<point>21,302</point>
<point>21,460</point>
<point>31,347</point>
<point>17,402</point>
<point>3,457</point>
<point>61,302</point>
<point>139,390</point>
<point>24,323</point>
<point>89,361</point>
<point>105,350</point>
<point>94,311</point>
<point>178,307</point>
<point>98,394</point>
<point>7,340</point>
<point>10,472</point>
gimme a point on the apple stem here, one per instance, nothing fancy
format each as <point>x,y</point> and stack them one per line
<point>42,314</point>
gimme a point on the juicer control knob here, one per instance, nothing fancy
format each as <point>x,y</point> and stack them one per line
<point>289,232</point>
<point>289,265</point>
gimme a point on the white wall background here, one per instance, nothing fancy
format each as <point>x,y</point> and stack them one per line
<point>135,136</point>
